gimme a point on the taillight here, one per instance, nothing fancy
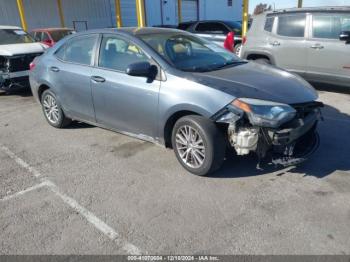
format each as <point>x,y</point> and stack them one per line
<point>229,43</point>
<point>244,40</point>
<point>31,65</point>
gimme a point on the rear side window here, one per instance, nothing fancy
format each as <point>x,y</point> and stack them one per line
<point>80,50</point>
<point>330,26</point>
<point>184,26</point>
<point>269,24</point>
<point>212,27</point>
<point>291,25</point>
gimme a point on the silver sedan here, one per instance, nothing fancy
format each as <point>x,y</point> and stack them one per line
<point>176,89</point>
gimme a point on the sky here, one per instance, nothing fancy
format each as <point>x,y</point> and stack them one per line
<point>293,3</point>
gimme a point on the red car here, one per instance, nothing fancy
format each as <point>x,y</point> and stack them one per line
<point>50,36</point>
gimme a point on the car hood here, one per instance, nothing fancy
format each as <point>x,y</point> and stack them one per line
<point>19,49</point>
<point>252,80</point>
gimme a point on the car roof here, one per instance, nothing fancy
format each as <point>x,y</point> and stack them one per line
<point>9,27</point>
<point>311,9</point>
<point>51,29</point>
<point>135,31</point>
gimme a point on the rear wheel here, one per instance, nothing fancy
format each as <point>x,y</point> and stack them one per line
<point>53,111</point>
<point>198,144</point>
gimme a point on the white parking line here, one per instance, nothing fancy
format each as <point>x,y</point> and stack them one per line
<point>89,216</point>
<point>20,193</point>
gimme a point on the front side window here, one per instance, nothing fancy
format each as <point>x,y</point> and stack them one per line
<point>118,54</point>
<point>190,53</point>
<point>291,25</point>
<point>269,24</point>
<point>330,26</point>
<point>80,50</point>
<point>14,36</point>
<point>212,27</point>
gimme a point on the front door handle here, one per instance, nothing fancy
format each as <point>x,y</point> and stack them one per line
<point>275,43</point>
<point>54,69</point>
<point>98,79</point>
<point>317,46</point>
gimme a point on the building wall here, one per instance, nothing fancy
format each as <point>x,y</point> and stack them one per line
<point>219,9</point>
<point>101,13</point>
<point>44,13</point>
<point>9,13</point>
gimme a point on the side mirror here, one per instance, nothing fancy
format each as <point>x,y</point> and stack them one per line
<point>144,69</point>
<point>344,36</point>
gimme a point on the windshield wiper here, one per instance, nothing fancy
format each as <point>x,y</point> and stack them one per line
<point>230,63</point>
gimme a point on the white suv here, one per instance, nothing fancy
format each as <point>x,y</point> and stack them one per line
<point>17,51</point>
<point>313,42</point>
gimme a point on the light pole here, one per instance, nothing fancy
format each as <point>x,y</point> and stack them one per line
<point>245,17</point>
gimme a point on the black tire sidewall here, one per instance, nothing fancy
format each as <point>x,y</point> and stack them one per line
<point>212,139</point>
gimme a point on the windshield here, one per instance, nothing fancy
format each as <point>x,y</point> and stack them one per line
<point>14,36</point>
<point>58,35</point>
<point>190,53</point>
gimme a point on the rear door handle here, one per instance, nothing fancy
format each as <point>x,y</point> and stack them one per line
<point>98,79</point>
<point>54,69</point>
<point>317,46</point>
<point>275,43</point>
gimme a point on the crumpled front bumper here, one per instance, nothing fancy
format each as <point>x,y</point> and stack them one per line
<point>14,80</point>
<point>294,144</point>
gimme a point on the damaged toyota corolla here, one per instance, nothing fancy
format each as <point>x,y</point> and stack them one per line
<point>176,89</point>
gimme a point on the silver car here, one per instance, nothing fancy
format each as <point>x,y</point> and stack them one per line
<point>313,42</point>
<point>173,88</point>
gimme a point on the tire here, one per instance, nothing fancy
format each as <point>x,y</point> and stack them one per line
<point>49,103</point>
<point>263,61</point>
<point>238,48</point>
<point>211,150</point>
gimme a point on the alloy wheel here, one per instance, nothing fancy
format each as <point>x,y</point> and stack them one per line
<point>51,109</point>
<point>190,146</point>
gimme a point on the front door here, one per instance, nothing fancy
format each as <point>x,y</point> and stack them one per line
<point>123,102</point>
<point>328,57</point>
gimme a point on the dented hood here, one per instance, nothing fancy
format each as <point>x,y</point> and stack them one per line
<point>252,80</point>
<point>19,49</point>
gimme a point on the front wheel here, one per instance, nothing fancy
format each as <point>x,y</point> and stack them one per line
<point>198,144</point>
<point>238,48</point>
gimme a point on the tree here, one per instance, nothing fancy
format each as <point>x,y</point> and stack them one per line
<point>260,8</point>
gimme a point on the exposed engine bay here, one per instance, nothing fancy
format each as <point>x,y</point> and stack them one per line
<point>288,143</point>
<point>14,70</point>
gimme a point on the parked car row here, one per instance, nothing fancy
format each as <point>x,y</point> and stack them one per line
<point>176,89</point>
<point>183,90</point>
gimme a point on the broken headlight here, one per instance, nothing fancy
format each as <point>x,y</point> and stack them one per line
<point>265,113</point>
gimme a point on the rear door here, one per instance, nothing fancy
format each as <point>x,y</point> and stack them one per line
<point>123,102</point>
<point>71,74</point>
<point>328,57</point>
<point>288,43</point>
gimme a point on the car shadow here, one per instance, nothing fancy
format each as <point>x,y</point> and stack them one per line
<point>25,92</point>
<point>331,88</point>
<point>332,154</point>
<point>79,125</point>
